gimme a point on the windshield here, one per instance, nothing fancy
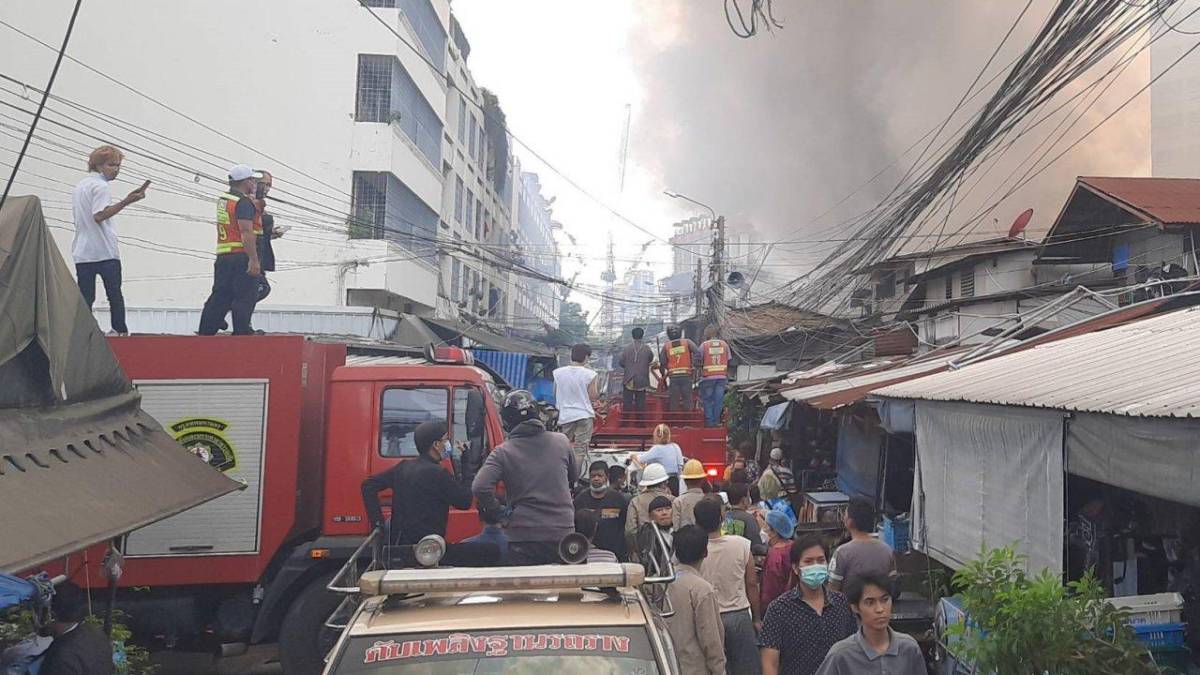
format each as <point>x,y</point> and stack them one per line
<point>579,651</point>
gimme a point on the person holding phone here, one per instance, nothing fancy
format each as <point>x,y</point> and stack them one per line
<point>264,233</point>
<point>95,247</point>
<point>237,268</point>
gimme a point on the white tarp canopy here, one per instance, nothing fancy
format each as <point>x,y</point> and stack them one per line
<point>1153,455</point>
<point>988,476</point>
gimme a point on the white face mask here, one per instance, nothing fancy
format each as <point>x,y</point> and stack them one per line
<point>762,534</point>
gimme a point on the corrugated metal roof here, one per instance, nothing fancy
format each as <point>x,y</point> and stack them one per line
<point>1172,201</point>
<point>837,393</point>
<point>1146,368</point>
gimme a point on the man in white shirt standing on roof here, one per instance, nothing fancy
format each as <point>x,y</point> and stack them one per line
<point>95,245</point>
<point>575,387</point>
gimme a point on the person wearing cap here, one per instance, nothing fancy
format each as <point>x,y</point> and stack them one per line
<point>778,480</point>
<point>777,575</point>
<point>694,478</point>
<point>422,490</point>
<point>237,269</point>
<point>653,483</point>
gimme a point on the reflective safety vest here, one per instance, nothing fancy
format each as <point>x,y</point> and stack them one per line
<point>715,354</point>
<point>229,235</point>
<point>679,358</point>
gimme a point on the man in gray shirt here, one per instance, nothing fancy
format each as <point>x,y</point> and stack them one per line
<point>635,360</point>
<point>875,648</point>
<point>537,468</point>
<point>863,555</point>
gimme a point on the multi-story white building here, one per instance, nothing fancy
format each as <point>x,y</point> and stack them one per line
<point>535,302</point>
<point>391,164</point>
<point>692,248</point>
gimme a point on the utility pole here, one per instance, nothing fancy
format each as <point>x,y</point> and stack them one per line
<point>718,266</point>
<point>609,277</point>
<point>699,289</point>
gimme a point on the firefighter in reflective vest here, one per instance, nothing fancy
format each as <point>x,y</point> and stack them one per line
<point>237,269</point>
<point>679,359</point>
<point>714,371</point>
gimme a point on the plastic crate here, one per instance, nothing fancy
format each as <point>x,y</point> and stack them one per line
<point>1173,660</point>
<point>895,533</point>
<point>1160,634</point>
<point>1156,608</point>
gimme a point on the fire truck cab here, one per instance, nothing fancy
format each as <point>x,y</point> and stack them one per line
<point>300,424</point>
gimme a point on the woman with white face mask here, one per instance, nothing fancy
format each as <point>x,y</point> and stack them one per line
<point>802,624</point>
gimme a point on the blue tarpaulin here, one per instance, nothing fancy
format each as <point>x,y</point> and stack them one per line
<point>510,365</point>
<point>858,446</point>
<point>776,416</point>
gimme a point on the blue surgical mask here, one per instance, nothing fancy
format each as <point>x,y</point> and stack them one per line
<point>814,576</point>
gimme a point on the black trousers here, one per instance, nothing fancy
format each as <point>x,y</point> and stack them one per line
<point>533,553</point>
<point>633,404</point>
<point>679,393</point>
<point>109,272</point>
<point>234,290</point>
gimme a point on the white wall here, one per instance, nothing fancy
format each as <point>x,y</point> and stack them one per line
<point>279,76</point>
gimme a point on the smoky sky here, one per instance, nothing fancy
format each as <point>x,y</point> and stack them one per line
<point>776,129</point>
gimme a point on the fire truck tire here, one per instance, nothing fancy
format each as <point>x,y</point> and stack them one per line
<point>304,640</point>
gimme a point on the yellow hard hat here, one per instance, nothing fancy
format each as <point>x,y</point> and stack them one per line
<point>693,470</point>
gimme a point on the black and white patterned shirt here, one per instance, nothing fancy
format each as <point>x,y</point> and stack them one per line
<point>802,636</point>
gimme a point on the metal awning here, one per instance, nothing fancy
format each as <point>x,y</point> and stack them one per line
<point>841,392</point>
<point>80,462</point>
<point>451,330</point>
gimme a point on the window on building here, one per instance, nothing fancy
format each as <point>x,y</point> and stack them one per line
<point>458,199</point>
<point>886,286</point>
<point>384,208</point>
<point>425,23</point>
<point>480,227</point>
<point>373,103</point>
<point>949,281</point>
<point>401,411</point>
<point>470,213</point>
<point>462,118</point>
<point>966,281</point>
<point>471,142</point>
<point>455,280</point>
<point>386,93</point>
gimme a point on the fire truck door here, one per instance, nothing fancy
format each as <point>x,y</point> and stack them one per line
<point>224,423</point>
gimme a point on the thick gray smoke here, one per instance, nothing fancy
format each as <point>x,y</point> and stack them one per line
<point>778,128</point>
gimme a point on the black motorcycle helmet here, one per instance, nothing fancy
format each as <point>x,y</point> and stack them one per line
<point>519,406</point>
<point>674,332</point>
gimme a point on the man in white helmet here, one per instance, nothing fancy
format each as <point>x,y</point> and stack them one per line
<point>653,483</point>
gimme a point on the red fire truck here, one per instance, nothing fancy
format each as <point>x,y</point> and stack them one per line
<point>300,424</point>
<point>617,429</point>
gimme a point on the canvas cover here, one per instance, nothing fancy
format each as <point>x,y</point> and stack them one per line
<point>988,476</point>
<point>80,462</point>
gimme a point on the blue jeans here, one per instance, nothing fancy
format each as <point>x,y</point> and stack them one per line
<point>712,400</point>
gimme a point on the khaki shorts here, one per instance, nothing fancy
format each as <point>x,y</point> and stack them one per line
<point>580,434</point>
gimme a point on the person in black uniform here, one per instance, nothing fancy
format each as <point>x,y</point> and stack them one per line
<point>79,648</point>
<point>422,490</point>
<point>237,269</point>
<point>266,234</point>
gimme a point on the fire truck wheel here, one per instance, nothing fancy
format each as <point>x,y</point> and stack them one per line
<point>304,641</point>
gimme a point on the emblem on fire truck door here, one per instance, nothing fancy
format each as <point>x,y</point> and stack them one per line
<point>205,438</point>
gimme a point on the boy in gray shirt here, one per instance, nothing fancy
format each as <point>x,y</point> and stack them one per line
<point>875,648</point>
<point>863,555</point>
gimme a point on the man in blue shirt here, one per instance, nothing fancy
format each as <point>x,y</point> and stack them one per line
<point>492,534</point>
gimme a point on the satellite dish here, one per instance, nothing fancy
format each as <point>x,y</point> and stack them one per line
<point>1020,224</point>
<point>735,279</point>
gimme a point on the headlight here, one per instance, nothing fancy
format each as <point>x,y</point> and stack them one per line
<point>429,550</point>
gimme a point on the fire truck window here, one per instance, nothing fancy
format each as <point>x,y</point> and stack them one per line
<point>469,414</point>
<point>403,410</point>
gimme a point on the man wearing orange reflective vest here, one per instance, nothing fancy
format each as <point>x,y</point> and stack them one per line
<point>237,269</point>
<point>678,360</point>
<point>714,369</point>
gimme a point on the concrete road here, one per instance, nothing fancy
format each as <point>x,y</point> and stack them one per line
<point>259,660</point>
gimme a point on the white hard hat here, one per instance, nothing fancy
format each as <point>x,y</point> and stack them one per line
<point>653,475</point>
<point>776,454</point>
